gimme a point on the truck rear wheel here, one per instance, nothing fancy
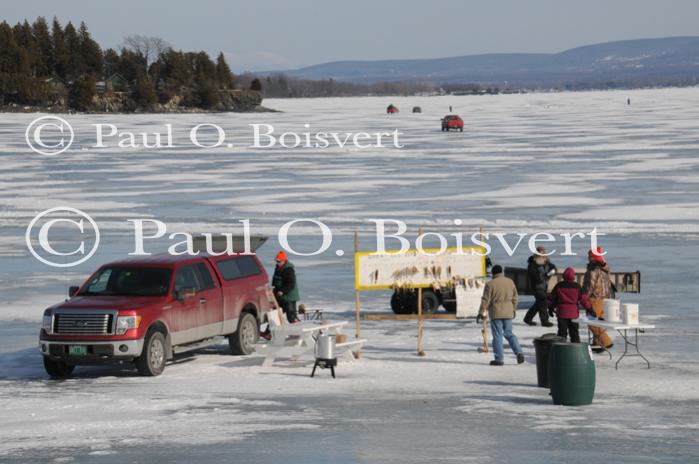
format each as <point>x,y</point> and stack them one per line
<point>403,303</point>
<point>430,301</point>
<point>152,360</point>
<point>243,340</point>
<point>57,369</point>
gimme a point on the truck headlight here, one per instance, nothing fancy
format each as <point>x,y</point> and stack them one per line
<point>47,322</point>
<point>125,323</point>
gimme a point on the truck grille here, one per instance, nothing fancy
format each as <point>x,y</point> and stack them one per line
<point>83,324</point>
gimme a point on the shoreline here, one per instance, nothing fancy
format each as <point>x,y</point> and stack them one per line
<point>29,110</point>
<point>18,109</point>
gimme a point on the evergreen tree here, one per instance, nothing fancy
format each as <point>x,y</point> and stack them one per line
<point>10,56</point>
<point>256,85</point>
<point>173,73</point>
<point>111,63</point>
<point>131,64</point>
<point>42,36</point>
<point>175,69</point>
<point>82,92</point>
<point>22,33</point>
<point>24,38</point>
<point>12,64</point>
<point>61,56</point>
<point>18,83</point>
<point>205,92</point>
<point>74,65</point>
<point>144,92</point>
<point>223,73</point>
<point>32,53</point>
<point>90,53</point>
<point>203,66</point>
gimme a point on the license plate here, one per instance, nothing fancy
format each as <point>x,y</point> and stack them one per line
<point>77,350</point>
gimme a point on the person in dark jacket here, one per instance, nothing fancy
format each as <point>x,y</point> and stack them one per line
<point>539,269</point>
<point>284,286</point>
<point>565,301</point>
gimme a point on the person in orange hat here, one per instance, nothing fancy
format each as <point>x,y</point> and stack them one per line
<point>597,286</point>
<point>596,255</point>
<point>284,286</point>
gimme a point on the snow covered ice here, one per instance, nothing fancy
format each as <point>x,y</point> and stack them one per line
<point>525,163</point>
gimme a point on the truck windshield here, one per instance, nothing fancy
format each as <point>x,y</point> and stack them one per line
<point>129,281</point>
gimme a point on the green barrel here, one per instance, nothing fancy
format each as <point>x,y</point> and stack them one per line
<point>542,348</point>
<point>572,374</point>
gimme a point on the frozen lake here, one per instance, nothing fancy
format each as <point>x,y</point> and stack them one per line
<point>524,163</point>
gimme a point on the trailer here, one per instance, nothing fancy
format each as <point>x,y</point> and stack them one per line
<point>622,281</point>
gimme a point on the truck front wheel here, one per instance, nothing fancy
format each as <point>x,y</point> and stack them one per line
<point>243,340</point>
<point>152,359</point>
<point>57,369</point>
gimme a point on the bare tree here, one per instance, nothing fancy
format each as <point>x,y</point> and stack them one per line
<point>148,47</point>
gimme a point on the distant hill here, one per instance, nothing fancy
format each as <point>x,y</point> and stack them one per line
<point>673,60</point>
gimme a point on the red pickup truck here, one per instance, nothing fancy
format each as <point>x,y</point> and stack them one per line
<point>452,121</point>
<point>141,309</point>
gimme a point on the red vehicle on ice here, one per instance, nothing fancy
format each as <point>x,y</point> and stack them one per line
<point>452,121</point>
<point>143,310</point>
<point>392,109</point>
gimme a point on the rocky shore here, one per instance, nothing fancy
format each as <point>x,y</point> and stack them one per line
<point>236,101</point>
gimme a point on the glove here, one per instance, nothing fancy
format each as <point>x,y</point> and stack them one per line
<point>552,312</point>
<point>480,318</point>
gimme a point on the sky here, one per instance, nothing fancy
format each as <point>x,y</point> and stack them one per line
<point>288,34</point>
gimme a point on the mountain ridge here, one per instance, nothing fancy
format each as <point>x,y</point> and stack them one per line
<point>647,59</point>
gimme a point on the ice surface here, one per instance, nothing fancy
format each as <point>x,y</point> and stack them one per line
<point>524,163</point>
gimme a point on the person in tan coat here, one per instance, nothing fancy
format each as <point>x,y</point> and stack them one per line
<point>499,303</point>
<point>597,285</point>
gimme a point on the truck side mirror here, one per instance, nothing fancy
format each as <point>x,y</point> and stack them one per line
<point>185,293</point>
<point>72,290</point>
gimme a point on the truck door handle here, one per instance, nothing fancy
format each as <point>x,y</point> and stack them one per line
<point>202,300</point>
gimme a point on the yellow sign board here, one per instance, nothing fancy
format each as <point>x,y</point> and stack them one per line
<point>415,268</point>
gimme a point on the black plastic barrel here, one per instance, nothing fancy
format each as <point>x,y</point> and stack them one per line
<point>542,347</point>
<point>572,374</point>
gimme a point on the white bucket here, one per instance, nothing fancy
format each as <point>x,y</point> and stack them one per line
<point>629,312</point>
<point>612,310</point>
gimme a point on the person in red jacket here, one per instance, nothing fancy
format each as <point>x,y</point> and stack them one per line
<point>565,301</point>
